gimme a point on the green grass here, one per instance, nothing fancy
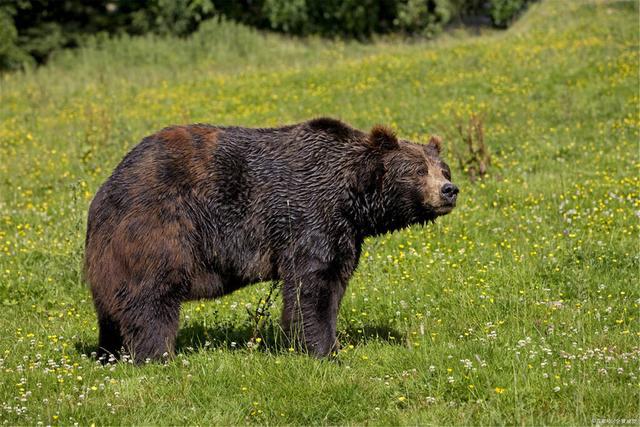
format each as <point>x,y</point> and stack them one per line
<point>521,307</point>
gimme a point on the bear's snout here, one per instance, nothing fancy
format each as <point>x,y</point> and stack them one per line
<point>449,193</point>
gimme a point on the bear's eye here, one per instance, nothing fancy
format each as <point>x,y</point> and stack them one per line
<point>422,171</point>
<point>447,174</point>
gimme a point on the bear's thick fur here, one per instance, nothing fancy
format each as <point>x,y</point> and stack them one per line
<point>199,211</point>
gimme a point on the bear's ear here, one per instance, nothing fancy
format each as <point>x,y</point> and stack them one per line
<point>383,138</point>
<point>434,145</point>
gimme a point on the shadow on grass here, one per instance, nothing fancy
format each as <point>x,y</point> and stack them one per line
<point>271,338</point>
<point>357,335</point>
<point>88,349</point>
<point>196,336</point>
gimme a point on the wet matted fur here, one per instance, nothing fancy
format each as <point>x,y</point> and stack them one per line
<point>199,211</point>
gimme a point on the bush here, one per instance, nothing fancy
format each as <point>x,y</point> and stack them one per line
<point>362,18</point>
<point>31,30</point>
<point>348,18</point>
<point>426,18</point>
<point>288,16</point>
<point>166,17</point>
<point>504,12</point>
<point>11,56</point>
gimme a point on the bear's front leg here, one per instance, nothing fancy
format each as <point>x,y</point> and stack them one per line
<point>310,312</point>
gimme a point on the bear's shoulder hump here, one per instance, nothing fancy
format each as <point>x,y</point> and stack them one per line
<point>332,126</point>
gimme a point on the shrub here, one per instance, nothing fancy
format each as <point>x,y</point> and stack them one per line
<point>350,18</point>
<point>11,56</point>
<point>504,12</point>
<point>425,18</point>
<point>166,17</point>
<point>30,30</point>
<point>288,16</point>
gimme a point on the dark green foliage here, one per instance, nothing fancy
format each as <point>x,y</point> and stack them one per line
<point>31,30</point>
<point>350,18</point>
<point>361,19</point>
<point>426,18</point>
<point>163,17</point>
<point>11,56</point>
<point>503,12</point>
<point>44,26</point>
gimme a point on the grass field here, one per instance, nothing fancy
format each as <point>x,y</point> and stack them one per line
<point>521,307</point>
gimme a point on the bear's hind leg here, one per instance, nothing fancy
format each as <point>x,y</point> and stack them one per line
<point>110,339</point>
<point>151,328</point>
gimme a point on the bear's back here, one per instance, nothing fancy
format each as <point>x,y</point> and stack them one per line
<point>227,178</point>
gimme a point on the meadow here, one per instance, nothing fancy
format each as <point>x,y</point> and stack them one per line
<point>520,307</point>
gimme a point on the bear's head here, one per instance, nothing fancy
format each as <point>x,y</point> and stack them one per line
<point>415,182</point>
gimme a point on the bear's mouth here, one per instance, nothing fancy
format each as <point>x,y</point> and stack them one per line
<point>430,210</point>
<point>445,208</point>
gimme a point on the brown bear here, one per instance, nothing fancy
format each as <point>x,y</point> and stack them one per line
<point>199,211</point>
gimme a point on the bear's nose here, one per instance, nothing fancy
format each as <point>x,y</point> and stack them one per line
<point>449,192</point>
